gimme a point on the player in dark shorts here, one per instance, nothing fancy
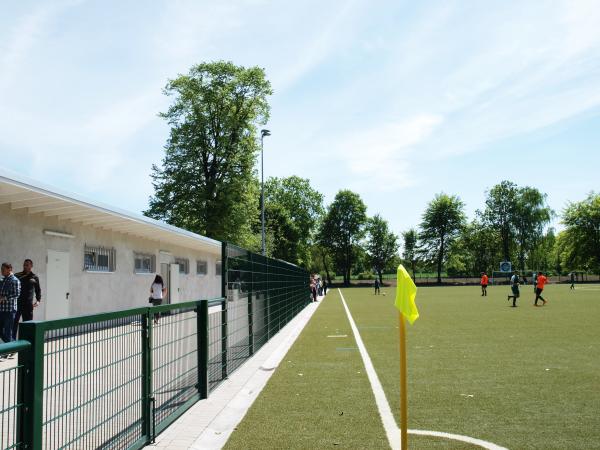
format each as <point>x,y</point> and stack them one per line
<point>541,282</point>
<point>514,286</point>
<point>572,280</point>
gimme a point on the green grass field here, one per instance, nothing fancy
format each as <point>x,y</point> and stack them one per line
<point>521,377</point>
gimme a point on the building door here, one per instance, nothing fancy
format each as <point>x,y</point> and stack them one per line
<point>174,283</point>
<point>58,286</point>
<point>164,273</point>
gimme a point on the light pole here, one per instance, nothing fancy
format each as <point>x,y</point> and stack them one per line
<point>263,133</point>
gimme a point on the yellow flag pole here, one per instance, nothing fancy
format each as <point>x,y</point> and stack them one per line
<point>403,386</point>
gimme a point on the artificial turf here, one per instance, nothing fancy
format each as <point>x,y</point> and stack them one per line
<point>522,377</point>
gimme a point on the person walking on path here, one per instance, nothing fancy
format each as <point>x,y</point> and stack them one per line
<point>30,286</point>
<point>541,281</point>
<point>377,286</point>
<point>572,275</point>
<point>313,288</point>
<point>484,284</point>
<point>514,286</point>
<point>157,293</point>
<point>324,287</point>
<point>10,288</point>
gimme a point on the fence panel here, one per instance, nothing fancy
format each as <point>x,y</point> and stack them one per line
<point>11,398</point>
<point>93,383</point>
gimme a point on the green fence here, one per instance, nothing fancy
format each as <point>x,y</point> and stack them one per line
<point>116,380</point>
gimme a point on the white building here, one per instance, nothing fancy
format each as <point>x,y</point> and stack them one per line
<point>94,258</point>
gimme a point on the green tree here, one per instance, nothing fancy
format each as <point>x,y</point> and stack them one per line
<point>342,229</point>
<point>479,248</point>
<point>410,253</point>
<point>292,212</point>
<point>582,222</point>
<point>442,221</point>
<point>207,182</point>
<point>500,214</point>
<point>532,214</point>
<point>382,245</point>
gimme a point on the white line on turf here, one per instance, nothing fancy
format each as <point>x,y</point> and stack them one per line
<point>389,423</point>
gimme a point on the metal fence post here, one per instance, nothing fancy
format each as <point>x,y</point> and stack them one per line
<point>33,384</point>
<point>202,333</point>
<point>224,275</point>
<point>147,429</point>
<point>250,309</point>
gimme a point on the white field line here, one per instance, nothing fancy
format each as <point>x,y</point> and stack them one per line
<point>389,423</point>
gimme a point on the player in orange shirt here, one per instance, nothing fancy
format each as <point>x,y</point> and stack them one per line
<point>484,283</point>
<point>541,281</point>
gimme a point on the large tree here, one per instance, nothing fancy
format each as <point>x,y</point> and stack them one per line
<point>441,223</point>
<point>342,229</point>
<point>206,183</point>
<point>532,215</point>
<point>292,211</point>
<point>501,210</point>
<point>382,245</point>
<point>411,238</point>
<point>582,233</point>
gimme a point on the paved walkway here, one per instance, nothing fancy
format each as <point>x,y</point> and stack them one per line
<point>209,423</point>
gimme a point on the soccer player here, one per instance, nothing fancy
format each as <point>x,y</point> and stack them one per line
<point>572,274</point>
<point>539,287</point>
<point>484,283</point>
<point>514,286</point>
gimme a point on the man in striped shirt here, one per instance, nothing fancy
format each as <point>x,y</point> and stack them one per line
<point>10,288</point>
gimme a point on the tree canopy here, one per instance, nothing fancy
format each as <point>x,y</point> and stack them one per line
<point>442,221</point>
<point>206,182</point>
<point>382,245</point>
<point>342,228</point>
<point>582,233</point>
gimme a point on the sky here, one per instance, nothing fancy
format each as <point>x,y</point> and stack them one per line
<point>395,100</point>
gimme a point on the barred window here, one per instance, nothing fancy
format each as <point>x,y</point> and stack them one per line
<point>201,267</point>
<point>144,263</point>
<point>99,259</point>
<point>184,265</point>
<point>218,268</point>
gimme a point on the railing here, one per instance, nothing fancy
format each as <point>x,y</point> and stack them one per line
<point>116,380</point>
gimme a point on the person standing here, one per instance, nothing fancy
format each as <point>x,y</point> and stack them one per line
<point>313,288</point>
<point>157,293</point>
<point>535,275</point>
<point>541,281</point>
<point>572,274</point>
<point>377,286</point>
<point>30,286</point>
<point>324,287</point>
<point>514,286</point>
<point>484,283</point>
<point>10,288</point>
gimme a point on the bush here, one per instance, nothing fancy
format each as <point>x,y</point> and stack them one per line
<point>366,276</point>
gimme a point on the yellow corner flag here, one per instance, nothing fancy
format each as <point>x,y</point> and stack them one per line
<point>406,291</point>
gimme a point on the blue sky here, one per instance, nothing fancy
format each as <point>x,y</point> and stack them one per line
<point>397,100</point>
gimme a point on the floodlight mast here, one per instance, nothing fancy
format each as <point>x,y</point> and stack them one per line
<point>263,133</point>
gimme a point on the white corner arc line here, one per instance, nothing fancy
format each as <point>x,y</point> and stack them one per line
<point>387,418</point>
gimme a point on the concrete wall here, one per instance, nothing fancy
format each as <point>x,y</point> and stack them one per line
<point>22,236</point>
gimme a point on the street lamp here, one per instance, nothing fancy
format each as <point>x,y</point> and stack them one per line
<point>263,133</point>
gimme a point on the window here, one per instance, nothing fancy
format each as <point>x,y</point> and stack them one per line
<point>218,268</point>
<point>201,267</point>
<point>143,263</point>
<point>184,265</point>
<point>99,259</point>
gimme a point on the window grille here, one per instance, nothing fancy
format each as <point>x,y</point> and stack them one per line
<point>184,265</point>
<point>144,263</point>
<point>99,259</point>
<point>201,267</point>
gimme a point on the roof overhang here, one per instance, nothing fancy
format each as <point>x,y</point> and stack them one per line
<point>34,198</point>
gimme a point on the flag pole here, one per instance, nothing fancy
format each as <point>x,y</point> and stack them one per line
<point>403,385</point>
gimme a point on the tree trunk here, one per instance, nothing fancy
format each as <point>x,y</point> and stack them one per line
<point>439,262</point>
<point>379,272</point>
<point>326,268</point>
<point>412,263</point>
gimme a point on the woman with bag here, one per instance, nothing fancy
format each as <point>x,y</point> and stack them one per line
<point>157,292</point>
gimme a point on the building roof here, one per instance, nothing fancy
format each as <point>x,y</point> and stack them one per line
<point>36,198</point>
